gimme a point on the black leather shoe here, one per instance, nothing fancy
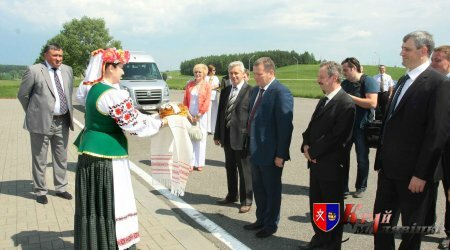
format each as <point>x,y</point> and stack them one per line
<point>253,226</point>
<point>42,199</point>
<point>64,195</point>
<point>226,201</point>
<point>264,233</point>
<point>308,246</point>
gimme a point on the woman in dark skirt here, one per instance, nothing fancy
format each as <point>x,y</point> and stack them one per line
<point>105,209</point>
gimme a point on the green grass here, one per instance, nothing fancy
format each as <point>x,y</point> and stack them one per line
<point>9,88</point>
<point>302,82</point>
<point>305,85</point>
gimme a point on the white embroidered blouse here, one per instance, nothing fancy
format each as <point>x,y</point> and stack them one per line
<point>117,104</point>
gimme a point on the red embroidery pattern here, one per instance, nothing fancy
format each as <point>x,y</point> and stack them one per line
<point>126,216</point>
<point>124,113</point>
<point>144,122</point>
<point>127,239</point>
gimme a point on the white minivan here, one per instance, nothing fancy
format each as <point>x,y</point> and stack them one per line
<point>144,82</point>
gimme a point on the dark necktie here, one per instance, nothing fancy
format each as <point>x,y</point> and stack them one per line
<point>320,105</point>
<point>398,90</point>
<point>255,107</point>
<point>382,84</point>
<point>62,97</point>
<point>230,106</point>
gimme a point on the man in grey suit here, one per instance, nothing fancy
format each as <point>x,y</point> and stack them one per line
<point>46,96</point>
<point>231,134</point>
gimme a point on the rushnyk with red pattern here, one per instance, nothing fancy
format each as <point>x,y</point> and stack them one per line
<point>129,238</point>
<point>171,153</point>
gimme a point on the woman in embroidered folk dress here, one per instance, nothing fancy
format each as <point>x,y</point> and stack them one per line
<point>212,79</point>
<point>197,97</point>
<point>105,209</point>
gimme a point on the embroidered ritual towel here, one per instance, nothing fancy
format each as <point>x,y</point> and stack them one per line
<point>171,154</point>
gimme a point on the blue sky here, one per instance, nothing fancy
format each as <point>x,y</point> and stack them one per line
<point>173,30</point>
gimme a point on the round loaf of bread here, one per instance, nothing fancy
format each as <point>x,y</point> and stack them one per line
<point>173,109</point>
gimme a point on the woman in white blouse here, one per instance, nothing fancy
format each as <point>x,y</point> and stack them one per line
<point>212,79</point>
<point>105,209</point>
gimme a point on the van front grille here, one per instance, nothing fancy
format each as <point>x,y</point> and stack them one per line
<point>146,97</point>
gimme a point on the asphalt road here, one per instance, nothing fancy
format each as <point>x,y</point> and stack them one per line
<point>204,188</point>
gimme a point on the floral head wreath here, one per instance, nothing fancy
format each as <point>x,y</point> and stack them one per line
<point>99,58</point>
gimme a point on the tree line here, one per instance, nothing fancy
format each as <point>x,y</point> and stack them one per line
<point>79,38</point>
<point>281,58</point>
<point>11,72</point>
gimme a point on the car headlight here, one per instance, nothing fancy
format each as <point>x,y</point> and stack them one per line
<point>166,90</point>
<point>129,92</point>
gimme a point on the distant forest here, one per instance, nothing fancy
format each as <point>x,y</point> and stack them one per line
<point>281,58</point>
<point>11,72</point>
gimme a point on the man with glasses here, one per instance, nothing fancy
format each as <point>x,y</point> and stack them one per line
<point>363,90</point>
<point>386,88</point>
<point>414,132</point>
<point>324,141</point>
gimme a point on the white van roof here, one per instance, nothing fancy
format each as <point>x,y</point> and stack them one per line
<point>140,56</point>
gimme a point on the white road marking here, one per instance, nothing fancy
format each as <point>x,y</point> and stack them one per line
<point>198,217</point>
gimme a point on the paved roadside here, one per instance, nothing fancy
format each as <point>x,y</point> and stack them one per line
<point>25,224</point>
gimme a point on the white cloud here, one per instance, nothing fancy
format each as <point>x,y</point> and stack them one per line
<point>180,30</point>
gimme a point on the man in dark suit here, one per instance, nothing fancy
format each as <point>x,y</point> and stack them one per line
<point>440,60</point>
<point>270,131</point>
<point>231,133</point>
<point>324,141</point>
<point>46,97</point>
<point>413,135</point>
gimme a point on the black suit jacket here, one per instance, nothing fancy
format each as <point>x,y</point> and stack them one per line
<point>329,130</point>
<point>239,117</point>
<point>415,134</point>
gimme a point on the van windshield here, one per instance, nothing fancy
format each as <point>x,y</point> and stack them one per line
<point>141,71</point>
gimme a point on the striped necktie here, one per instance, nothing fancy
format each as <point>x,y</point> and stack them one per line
<point>230,106</point>
<point>62,98</point>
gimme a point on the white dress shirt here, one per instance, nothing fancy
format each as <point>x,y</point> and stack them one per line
<point>413,74</point>
<point>238,88</point>
<point>388,82</point>
<point>331,95</point>
<point>51,72</point>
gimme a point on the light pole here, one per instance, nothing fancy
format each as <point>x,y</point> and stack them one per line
<point>377,55</point>
<point>297,65</point>
<point>249,62</point>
